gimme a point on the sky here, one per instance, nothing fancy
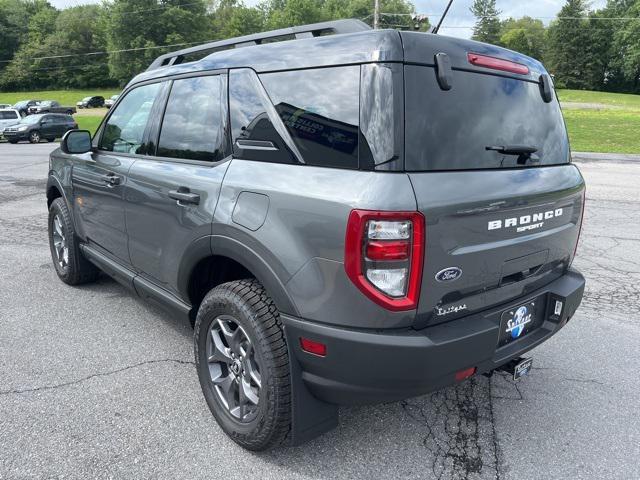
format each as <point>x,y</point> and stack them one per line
<point>459,21</point>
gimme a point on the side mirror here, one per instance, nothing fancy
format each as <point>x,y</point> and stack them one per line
<point>76,141</point>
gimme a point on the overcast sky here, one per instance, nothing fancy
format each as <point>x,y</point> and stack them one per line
<point>458,21</point>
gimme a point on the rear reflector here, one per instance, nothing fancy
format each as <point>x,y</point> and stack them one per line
<point>464,374</point>
<point>497,64</point>
<point>314,347</point>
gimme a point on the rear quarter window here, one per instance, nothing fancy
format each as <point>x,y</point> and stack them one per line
<point>450,130</point>
<point>320,109</point>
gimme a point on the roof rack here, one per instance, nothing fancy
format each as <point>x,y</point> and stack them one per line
<point>303,31</point>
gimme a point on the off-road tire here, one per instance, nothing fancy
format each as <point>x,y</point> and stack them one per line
<point>252,309</point>
<point>78,270</point>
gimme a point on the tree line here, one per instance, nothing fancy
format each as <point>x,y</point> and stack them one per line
<point>105,45</point>
<point>584,49</point>
<point>46,48</point>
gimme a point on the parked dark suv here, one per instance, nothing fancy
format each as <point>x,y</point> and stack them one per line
<point>350,218</point>
<point>95,101</point>
<point>34,128</point>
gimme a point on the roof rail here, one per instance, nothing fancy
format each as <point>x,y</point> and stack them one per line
<point>303,31</point>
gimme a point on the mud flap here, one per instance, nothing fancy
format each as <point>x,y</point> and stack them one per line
<point>310,417</point>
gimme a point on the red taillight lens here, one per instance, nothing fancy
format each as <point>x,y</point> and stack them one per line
<point>389,250</point>
<point>384,256</point>
<point>314,347</point>
<point>584,199</point>
<point>497,64</point>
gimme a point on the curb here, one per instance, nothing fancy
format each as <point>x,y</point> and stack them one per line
<point>605,157</point>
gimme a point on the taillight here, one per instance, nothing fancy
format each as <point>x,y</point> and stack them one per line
<point>584,198</point>
<point>384,255</point>
<point>497,63</point>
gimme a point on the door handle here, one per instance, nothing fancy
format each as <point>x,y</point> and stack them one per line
<point>183,195</point>
<point>111,179</point>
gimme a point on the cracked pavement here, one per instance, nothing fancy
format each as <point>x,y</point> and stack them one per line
<point>97,384</point>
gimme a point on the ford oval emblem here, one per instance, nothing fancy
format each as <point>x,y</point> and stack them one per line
<point>449,274</point>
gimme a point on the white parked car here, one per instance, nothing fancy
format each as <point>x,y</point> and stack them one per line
<point>8,117</point>
<point>110,101</point>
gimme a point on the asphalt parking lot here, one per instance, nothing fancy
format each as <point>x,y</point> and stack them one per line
<point>97,384</point>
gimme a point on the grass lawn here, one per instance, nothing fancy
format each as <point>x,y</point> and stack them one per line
<point>86,122</point>
<point>602,122</point>
<point>65,97</point>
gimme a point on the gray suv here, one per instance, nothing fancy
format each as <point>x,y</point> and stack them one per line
<point>346,216</point>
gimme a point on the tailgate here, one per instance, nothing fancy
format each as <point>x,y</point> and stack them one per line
<point>494,235</point>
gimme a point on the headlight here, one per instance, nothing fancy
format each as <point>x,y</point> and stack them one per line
<point>22,128</point>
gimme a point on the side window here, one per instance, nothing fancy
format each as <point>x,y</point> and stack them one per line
<point>255,134</point>
<point>124,131</point>
<point>194,120</point>
<point>320,109</point>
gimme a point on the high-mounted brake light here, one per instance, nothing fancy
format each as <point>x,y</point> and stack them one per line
<point>384,253</point>
<point>497,63</point>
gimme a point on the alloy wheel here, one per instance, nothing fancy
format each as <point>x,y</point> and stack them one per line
<point>35,137</point>
<point>60,242</point>
<point>233,368</point>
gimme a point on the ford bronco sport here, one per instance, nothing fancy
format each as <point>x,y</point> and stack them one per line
<point>347,216</point>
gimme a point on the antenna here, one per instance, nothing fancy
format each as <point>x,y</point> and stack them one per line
<point>446,10</point>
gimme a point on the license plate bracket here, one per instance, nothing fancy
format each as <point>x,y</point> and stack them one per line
<point>522,368</point>
<point>517,322</point>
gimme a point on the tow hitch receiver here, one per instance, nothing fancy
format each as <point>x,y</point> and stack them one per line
<point>518,367</point>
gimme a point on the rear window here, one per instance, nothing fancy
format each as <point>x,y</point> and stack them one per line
<point>451,130</point>
<point>8,115</point>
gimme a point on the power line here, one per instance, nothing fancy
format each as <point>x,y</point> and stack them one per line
<point>107,52</point>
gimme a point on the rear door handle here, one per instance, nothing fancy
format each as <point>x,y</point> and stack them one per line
<point>183,195</point>
<point>111,179</point>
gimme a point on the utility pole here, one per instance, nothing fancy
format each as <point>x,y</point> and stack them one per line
<point>376,15</point>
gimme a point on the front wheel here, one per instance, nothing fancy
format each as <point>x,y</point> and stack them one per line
<point>34,137</point>
<point>71,266</point>
<point>243,364</point>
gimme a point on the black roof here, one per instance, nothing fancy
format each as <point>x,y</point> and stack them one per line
<point>365,45</point>
<point>352,42</point>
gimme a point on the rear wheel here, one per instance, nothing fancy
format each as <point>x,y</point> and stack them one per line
<point>50,139</point>
<point>34,137</point>
<point>243,364</point>
<point>71,266</point>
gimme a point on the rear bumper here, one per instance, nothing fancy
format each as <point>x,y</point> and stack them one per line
<point>16,135</point>
<point>364,366</point>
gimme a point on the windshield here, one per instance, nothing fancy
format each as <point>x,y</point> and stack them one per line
<point>484,121</point>
<point>31,119</point>
<point>114,97</point>
<point>8,115</point>
<point>86,99</point>
<point>46,103</point>
<point>21,104</point>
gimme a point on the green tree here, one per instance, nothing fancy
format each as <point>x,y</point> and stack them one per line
<point>231,18</point>
<point>136,28</point>
<point>623,72</point>
<point>566,41</point>
<point>487,27</point>
<point>524,35</point>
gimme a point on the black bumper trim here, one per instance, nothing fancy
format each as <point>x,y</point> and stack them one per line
<point>368,366</point>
